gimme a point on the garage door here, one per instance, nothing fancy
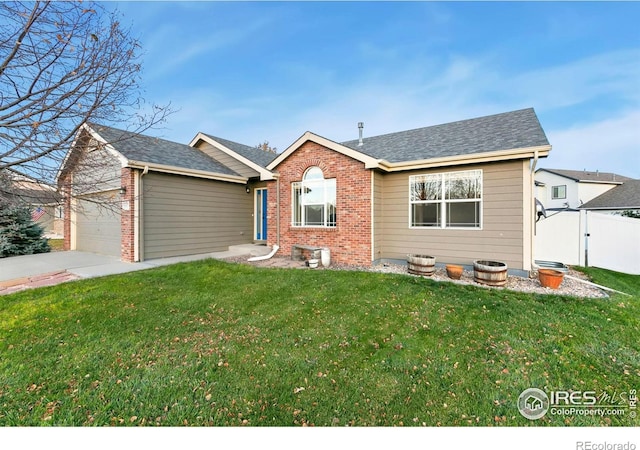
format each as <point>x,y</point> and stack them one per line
<point>186,216</point>
<point>98,227</point>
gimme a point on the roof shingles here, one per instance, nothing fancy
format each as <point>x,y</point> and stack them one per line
<point>625,196</point>
<point>253,154</point>
<point>146,149</point>
<point>506,131</point>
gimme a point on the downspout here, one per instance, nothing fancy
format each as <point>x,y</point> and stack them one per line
<point>140,211</point>
<point>262,258</point>
<point>533,207</point>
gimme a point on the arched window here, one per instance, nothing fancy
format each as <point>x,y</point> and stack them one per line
<point>314,200</point>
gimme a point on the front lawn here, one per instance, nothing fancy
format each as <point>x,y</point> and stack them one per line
<point>212,343</point>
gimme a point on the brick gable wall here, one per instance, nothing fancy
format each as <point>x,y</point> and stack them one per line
<point>350,241</point>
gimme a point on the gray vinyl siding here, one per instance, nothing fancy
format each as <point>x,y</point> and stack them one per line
<point>501,236</point>
<point>98,224</point>
<point>184,216</point>
<point>227,160</point>
<point>97,171</point>
<point>378,214</point>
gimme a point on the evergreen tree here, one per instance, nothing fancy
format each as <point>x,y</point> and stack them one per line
<point>19,235</point>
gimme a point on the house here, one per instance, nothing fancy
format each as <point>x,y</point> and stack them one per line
<point>41,198</point>
<point>568,189</point>
<point>623,197</point>
<point>458,191</point>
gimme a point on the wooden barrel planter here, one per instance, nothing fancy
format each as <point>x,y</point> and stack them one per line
<point>550,278</point>
<point>491,273</point>
<point>423,265</point>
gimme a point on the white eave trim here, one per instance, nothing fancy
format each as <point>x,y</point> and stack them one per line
<point>369,162</point>
<point>386,166</point>
<point>608,208</point>
<point>600,182</point>
<point>474,158</point>
<point>265,175</point>
<point>187,172</point>
<point>94,134</point>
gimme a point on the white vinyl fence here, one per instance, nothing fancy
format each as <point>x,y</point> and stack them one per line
<point>613,242</point>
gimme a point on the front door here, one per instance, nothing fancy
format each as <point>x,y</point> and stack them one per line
<point>261,214</point>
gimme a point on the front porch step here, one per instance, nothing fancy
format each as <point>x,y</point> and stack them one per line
<point>249,249</point>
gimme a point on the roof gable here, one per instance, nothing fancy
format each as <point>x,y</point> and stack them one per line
<point>145,152</point>
<point>368,161</point>
<point>625,196</point>
<point>253,154</point>
<point>252,157</point>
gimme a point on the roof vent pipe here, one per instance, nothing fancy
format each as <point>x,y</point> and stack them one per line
<point>360,128</point>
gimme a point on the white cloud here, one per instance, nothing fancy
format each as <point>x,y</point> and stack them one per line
<point>614,74</point>
<point>611,145</point>
<point>175,47</point>
<point>392,100</point>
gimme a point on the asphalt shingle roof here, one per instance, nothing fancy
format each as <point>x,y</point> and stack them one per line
<point>147,149</point>
<point>506,131</point>
<point>627,195</point>
<point>585,175</point>
<point>253,154</point>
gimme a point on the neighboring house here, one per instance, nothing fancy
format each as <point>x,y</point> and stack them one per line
<point>624,197</point>
<point>592,235</point>
<point>41,198</point>
<point>458,191</point>
<point>568,189</point>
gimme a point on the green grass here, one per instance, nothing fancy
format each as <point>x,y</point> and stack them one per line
<point>622,282</point>
<point>57,245</point>
<point>211,343</point>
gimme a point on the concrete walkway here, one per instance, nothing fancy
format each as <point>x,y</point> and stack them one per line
<point>46,269</point>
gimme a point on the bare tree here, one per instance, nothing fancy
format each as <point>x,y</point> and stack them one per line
<point>64,64</point>
<point>266,147</point>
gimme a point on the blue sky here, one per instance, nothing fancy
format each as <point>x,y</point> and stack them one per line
<point>255,71</point>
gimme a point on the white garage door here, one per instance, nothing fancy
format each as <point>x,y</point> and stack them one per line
<point>98,227</point>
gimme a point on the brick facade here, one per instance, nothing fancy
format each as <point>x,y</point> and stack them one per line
<point>127,217</point>
<point>65,184</point>
<point>350,241</point>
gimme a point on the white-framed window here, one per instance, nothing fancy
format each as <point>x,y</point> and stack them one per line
<point>313,200</point>
<point>558,192</point>
<point>446,200</point>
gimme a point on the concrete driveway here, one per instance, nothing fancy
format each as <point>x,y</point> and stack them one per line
<point>45,269</point>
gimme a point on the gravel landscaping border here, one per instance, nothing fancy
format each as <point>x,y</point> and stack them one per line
<point>514,283</point>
